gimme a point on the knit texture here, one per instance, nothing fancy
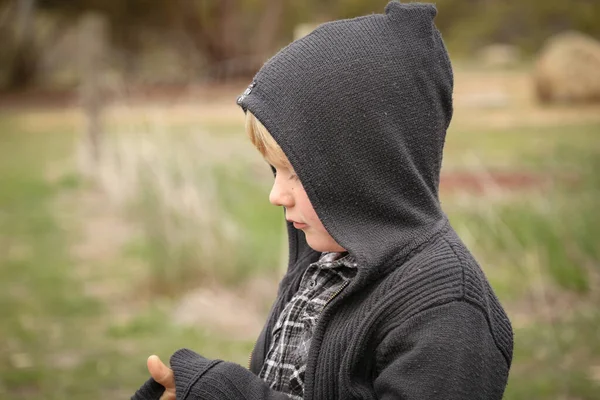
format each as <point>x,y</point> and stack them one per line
<point>368,101</point>
<point>360,107</point>
<point>150,390</point>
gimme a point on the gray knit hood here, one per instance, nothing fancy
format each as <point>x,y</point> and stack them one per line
<point>360,107</point>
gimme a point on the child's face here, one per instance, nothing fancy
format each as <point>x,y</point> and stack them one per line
<point>288,192</point>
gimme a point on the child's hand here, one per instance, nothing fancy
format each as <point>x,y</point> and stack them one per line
<point>163,375</point>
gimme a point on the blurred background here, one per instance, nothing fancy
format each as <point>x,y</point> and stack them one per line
<point>133,211</point>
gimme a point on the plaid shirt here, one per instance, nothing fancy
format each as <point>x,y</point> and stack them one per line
<point>285,364</point>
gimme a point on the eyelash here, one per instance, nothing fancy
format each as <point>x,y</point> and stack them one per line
<point>292,176</point>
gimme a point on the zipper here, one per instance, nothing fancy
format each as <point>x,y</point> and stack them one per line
<point>337,292</point>
<point>250,356</point>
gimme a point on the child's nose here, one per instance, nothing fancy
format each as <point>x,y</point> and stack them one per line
<point>280,197</point>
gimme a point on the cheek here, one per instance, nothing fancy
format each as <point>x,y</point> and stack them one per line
<point>317,236</point>
<point>304,206</point>
<point>309,214</point>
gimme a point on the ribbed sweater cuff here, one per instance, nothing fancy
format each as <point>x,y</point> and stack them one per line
<point>150,390</point>
<point>188,367</point>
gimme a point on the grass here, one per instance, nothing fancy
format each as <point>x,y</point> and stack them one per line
<point>559,226</point>
<point>538,249</point>
<point>194,206</point>
<point>58,341</point>
<point>541,255</point>
<point>534,148</point>
<point>557,360</point>
<point>39,299</point>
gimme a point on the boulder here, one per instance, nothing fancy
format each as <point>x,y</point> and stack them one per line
<point>567,69</point>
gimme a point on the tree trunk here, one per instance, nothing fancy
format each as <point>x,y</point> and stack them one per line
<point>268,28</point>
<point>216,31</point>
<point>93,52</point>
<point>23,68</point>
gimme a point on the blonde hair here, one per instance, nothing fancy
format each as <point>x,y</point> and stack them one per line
<point>264,142</point>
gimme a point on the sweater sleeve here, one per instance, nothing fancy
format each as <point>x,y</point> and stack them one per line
<point>150,390</point>
<point>445,352</point>
<point>198,378</point>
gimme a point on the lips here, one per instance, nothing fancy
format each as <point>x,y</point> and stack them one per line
<point>297,225</point>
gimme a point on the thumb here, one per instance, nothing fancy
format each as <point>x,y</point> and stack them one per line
<point>160,372</point>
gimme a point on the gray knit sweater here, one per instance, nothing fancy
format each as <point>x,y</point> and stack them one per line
<point>361,108</point>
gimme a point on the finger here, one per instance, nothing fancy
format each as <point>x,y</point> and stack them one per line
<point>160,372</point>
<point>168,395</point>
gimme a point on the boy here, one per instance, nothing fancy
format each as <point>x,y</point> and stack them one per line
<point>381,299</point>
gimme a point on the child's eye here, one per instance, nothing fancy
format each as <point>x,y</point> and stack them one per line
<point>293,176</point>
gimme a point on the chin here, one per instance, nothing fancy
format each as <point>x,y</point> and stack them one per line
<point>324,246</point>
